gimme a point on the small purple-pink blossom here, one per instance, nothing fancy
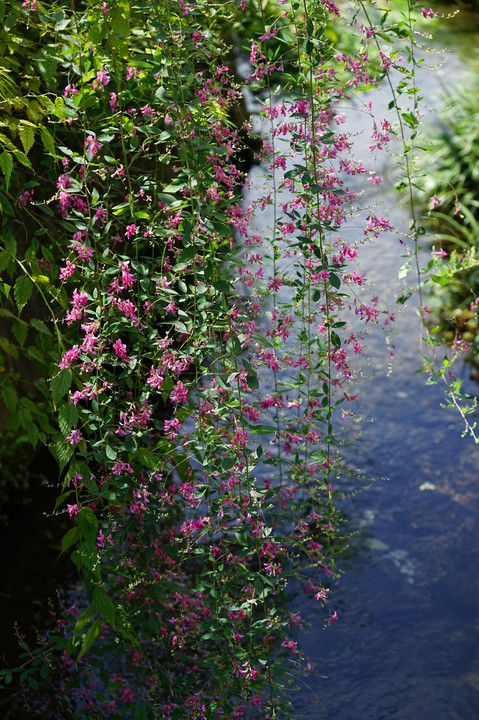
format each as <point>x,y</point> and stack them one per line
<point>70,356</point>
<point>171,428</point>
<point>120,350</point>
<point>130,231</point>
<point>75,437</point>
<point>67,271</point>
<point>179,393</point>
<point>70,90</point>
<point>102,79</point>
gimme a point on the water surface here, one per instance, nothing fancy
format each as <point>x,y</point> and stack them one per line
<point>406,645</point>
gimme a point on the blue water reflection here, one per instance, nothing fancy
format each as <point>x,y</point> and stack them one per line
<point>406,645</point>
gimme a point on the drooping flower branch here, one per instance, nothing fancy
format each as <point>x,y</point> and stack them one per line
<point>203,355</point>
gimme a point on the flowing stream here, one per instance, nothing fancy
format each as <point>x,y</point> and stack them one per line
<point>406,644</point>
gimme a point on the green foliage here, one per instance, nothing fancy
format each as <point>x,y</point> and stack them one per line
<point>453,156</point>
<point>451,192</point>
<point>191,409</point>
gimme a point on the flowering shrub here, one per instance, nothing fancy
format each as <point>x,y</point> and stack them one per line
<point>193,366</point>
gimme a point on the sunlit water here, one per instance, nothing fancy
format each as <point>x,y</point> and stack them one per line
<point>406,644</point>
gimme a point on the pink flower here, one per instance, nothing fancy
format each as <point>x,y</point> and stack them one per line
<point>179,393</point>
<point>130,231</point>
<point>92,146</point>
<point>171,307</point>
<point>100,214</point>
<point>102,79</point>
<point>120,350</point>
<point>67,271</point>
<point>155,379</point>
<point>272,568</point>
<point>70,356</point>
<point>131,72</point>
<point>171,428</point>
<point>121,467</point>
<point>127,695</point>
<point>79,299</point>
<point>70,90</point>
<point>75,437</point>
<point>376,225</point>
<point>26,197</point>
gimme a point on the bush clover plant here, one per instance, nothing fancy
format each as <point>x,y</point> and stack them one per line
<point>189,363</point>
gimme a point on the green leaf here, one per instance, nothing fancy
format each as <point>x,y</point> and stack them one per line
<point>404,298</point>
<point>186,255</point>
<point>335,339</point>
<point>6,289</point>
<point>60,384</point>
<point>334,281</point>
<point>84,619</point>
<point>4,140</point>
<point>67,418</point>
<point>88,524</point>
<point>440,280</point>
<point>9,240</point>
<point>87,554</point>
<point>120,26</point>
<point>262,429</point>
<point>40,326</point>
<point>90,637</point>
<point>410,119</point>
<point>20,331</point>
<point>7,314</point>
<point>70,538</point>
<point>27,136</point>
<point>6,676</point>
<point>147,458</point>
<point>24,418</point>
<point>170,200</point>
<point>47,66</point>
<point>22,158</point>
<point>105,605</point>
<point>110,452</point>
<point>32,682</point>
<point>33,434</point>
<point>5,206</point>
<point>9,397</point>
<point>5,262</point>
<point>63,451</point>
<point>63,22</point>
<point>22,291</point>
<point>6,166</point>
<point>48,142</point>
